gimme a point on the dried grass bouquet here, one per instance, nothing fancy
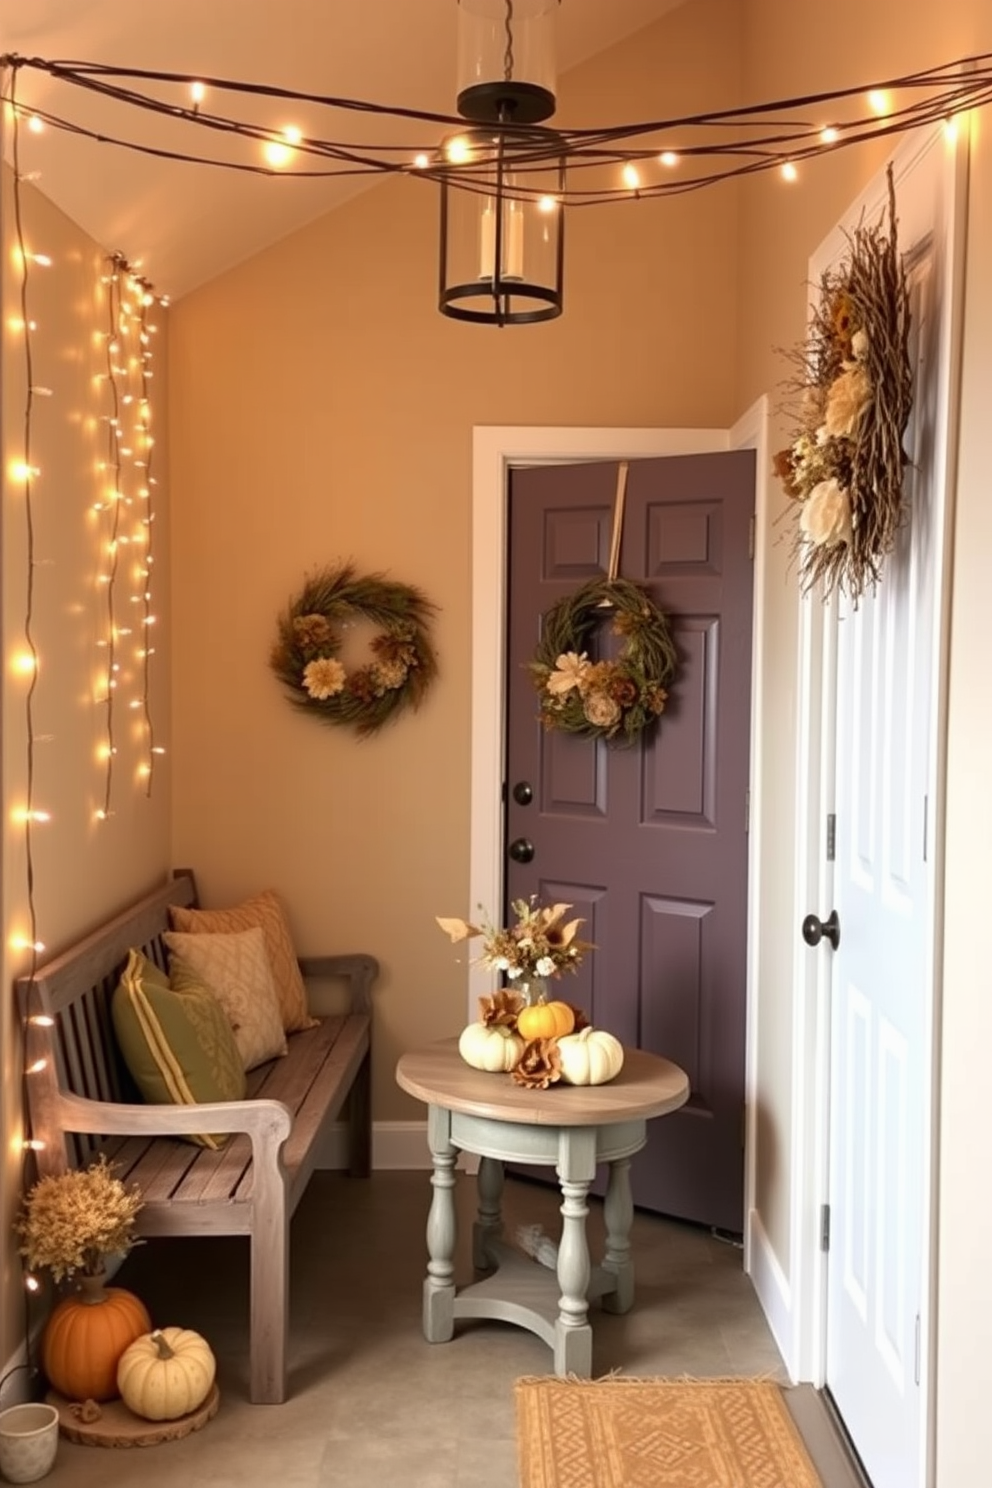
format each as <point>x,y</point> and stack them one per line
<point>72,1222</point>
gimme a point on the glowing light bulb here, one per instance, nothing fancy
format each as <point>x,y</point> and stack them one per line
<point>36,125</point>
<point>42,1020</point>
<point>669,158</point>
<point>421,161</point>
<point>631,178</point>
<point>197,92</point>
<point>878,102</point>
<point>281,151</point>
<point>37,1067</point>
<point>32,1284</point>
<point>547,204</point>
<point>24,663</point>
<point>789,172</point>
<point>829,135</point>
<point>458,150</point>
<point>951,129</point>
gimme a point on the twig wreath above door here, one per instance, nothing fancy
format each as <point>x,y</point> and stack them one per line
<point>306,656</point>
<point>844,466</point>
<point>613,700</point>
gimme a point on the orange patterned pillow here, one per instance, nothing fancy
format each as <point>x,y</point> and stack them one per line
<point>265,911</point>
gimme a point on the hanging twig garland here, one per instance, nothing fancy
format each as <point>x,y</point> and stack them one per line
<point>613,700</point>
<point>844,466</point>
<point>306,655</point>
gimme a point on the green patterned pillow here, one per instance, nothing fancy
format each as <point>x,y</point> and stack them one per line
<point>176,1039</point>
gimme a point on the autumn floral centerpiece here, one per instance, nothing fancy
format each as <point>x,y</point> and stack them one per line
<point>843,468</point>
<point>537,1040</point>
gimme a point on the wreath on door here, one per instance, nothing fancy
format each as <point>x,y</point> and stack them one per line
<point>401,665</point>
<point>613,700</point>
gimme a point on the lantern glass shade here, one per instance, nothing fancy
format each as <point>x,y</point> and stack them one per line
<point>502,228</point>
<point>506,60</point>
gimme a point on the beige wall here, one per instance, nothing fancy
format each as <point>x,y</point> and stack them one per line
<point>324,410</point>
<point>83,868</point>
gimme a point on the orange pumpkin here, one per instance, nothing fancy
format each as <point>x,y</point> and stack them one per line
<point>84,1340</point>
<point>545,1020</point>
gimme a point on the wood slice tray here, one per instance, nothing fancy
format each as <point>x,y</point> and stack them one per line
<point>120,1427</point>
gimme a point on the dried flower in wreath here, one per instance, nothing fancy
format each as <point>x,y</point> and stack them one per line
<point>539,1066</point>
<point>843,469</point>
<point>402,663</point>
<point>613,700</point>
<point>73,1221</point>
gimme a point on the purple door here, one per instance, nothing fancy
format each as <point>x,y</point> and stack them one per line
<point>649,842</point>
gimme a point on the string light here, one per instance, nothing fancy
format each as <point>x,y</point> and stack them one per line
<point>713,146</point>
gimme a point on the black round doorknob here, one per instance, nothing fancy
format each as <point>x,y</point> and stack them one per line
<point>523,793</point>
<point>521,850</point>
<point>815,929</point>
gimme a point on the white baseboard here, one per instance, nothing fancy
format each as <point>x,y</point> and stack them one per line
<point>772,1287</point>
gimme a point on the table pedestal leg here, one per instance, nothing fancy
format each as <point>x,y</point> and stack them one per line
<point>573,1333</point>
<point>618,1212</point>
<point>439,1288</point>
<point>488,1226</point>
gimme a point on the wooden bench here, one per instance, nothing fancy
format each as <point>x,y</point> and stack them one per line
<point>82,1101</point>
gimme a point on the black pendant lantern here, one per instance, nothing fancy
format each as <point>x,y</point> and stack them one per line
<point>503,177</point>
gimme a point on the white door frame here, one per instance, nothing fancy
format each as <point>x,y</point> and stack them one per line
<point>495,451</point>
<point>815,773</point>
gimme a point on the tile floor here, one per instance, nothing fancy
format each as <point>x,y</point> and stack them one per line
<point>371,1403</point>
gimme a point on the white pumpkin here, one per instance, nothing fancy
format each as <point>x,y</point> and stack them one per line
<point>592,1057</point>
<point>166,1374</point>
<point>490,1047</point>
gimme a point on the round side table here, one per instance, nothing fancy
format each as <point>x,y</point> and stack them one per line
<point>571,1128</point>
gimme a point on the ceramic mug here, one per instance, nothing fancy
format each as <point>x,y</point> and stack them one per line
<point>29,1436</point>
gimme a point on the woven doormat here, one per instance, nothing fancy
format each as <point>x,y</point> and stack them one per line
<point>632,1433</point>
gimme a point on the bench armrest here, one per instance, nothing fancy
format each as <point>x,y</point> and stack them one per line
<point>359,970</point>
<point>266,1122</point>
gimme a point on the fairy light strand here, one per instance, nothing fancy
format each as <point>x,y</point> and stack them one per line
<point>732,142</point>
<point>29,1144</point>
<point>146,493</point>
<point>108,578</point>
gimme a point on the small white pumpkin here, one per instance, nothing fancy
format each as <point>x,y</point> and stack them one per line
<point>592,1057</point>
<point>492,1047</point>
<point>166,1374</point>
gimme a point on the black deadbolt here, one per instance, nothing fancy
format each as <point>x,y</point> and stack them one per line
<point>522,850</point>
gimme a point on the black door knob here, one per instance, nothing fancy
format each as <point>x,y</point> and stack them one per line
<point>815,929</point>
<point>523,793</point>
<point>521,850</point>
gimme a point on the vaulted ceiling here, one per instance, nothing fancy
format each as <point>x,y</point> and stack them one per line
<point>185,223</point>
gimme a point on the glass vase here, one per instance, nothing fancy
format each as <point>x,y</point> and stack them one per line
<point>533,990</point>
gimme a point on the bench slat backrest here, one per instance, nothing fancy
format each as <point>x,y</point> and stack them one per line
<point>70,1041</point>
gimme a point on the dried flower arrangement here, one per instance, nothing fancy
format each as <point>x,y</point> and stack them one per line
<point>306,656</point>
<point>73,1221</point>
<point>844,466</point>
<point>614,700</point>
<point>537,945</point>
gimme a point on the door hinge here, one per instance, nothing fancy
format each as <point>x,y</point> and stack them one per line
<point>919,1348</point>
<point>750,536</point>
<point>824,1227</point>
<point>831,836</point>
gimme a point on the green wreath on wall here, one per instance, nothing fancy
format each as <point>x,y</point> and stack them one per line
<point>402,665</point>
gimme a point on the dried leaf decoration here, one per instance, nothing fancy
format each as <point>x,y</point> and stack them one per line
<point>501,1009</point>
<point>540,1065</point>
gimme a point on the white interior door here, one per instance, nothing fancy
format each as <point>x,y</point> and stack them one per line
<point>888,755</point>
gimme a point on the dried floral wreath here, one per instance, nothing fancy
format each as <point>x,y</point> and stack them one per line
<point>844,466</point>
<point>311,633</point>
<point>614,700</point>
